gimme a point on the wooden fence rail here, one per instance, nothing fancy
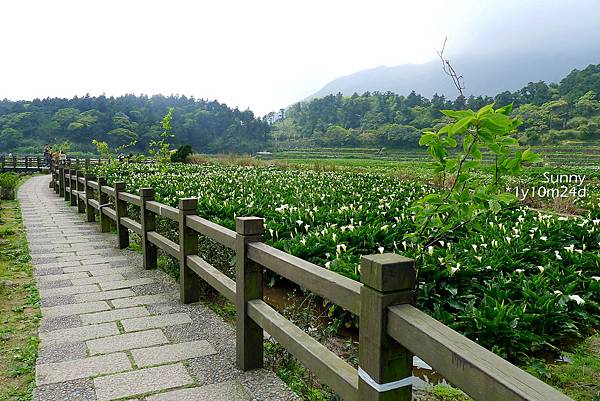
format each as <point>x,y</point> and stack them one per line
<point>22,163</point>
<point>392,330</point>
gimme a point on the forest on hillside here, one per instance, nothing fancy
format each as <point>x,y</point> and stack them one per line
<point>551,113</point>
<point>209,126</point>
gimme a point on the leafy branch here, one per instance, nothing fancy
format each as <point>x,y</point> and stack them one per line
<point>161,149</point>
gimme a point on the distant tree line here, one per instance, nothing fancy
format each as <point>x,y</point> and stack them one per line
<point>569,110</point>
<point>208,126</point>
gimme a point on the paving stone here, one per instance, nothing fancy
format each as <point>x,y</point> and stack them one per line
<point>114,285</point>
<point>48,271</point>
<point>79,333</point>
<point>226,391</point>
<point>80,258</point>
<point>54,284</point>
<point>104,295</point>
<point>59,300</point>
<point>141,300</point>
<point>97,279</point>
<point>85,268</point>
<point>59,323</point>
<point>43,266</point>
<point>75,309</point>
<point>61,352</point>
<point>126,341</point>
<point>105,271</point>
<point>171,353</point>
<point>93,251</point>
<point>152,322</point>
<point>114,315</point>
<point>141,381</point>
<point>64,276</point>
<point>72,290</point>
<point>75,390</point>
<point>81,368</point>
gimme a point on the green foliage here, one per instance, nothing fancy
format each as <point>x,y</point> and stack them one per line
<point>8,180</point>
<point>181,154</point>
<point>19,309</point>
<point>208,125</point>
<point>579,378</point>
<point>391,120</point>
<point>62,147</point>
<point>161,148</point>
<point>439,214</point>
<point>103,149</point>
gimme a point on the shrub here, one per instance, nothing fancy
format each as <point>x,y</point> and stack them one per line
<point>181,154</point>
<point>8,183</point>
<point>8,180</point>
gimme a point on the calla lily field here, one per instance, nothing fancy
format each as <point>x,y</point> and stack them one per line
<point>524,281</point>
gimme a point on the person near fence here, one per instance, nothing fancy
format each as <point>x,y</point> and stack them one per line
<point>47,155</point>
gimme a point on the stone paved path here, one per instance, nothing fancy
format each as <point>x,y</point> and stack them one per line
<point>111,330</point>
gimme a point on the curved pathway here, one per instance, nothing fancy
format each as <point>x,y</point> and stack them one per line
<point>111,330</point>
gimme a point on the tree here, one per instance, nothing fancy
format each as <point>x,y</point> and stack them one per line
<point>10,138</point>
<point>161,148</point>
<point>587,105</point>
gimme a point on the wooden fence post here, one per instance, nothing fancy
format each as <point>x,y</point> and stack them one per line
<point>189,290</point>
<point>66,183</point>
<point>87,163</point>
<point>89,193</point>
<point>80,188</point>
<point>121,211</point>
<point>385,371</point>
<point>148,222</point>
<point>103,200</point>
<point>61,181</point>
<point>249,335</point>
<point>73,187</point>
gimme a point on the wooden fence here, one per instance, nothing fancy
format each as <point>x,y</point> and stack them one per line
<point>392,330</point>
<point>22,163</point>
<point>38,163</point>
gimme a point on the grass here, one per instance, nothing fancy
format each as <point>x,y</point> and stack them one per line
<point>19,308</point>
<point>579,378</point>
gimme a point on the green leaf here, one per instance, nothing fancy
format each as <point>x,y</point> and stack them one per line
<point>467,142</point>
<point>506,197</point>
<point>427,138</point>
<point>485,109</point>
<point>505,110</point>
<point>530,157</point>
<point>494,205</point>
<point>458,115</point>
<point>462,125</point>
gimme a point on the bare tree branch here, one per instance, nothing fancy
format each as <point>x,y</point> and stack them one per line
<point>457,80</point>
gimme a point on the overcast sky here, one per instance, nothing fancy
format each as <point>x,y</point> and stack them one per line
<point>261,55</point>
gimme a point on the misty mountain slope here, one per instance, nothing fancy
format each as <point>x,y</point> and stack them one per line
<point>482,75</point>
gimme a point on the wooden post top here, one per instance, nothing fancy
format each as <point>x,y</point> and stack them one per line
<point>188,204</point>
<point>388,272</point>
<point>89,176</point>
<point>250,225</point>
<point>119,186</point>
<point>147,193</point>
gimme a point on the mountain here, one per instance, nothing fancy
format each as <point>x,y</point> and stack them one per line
<point>483,75</point>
